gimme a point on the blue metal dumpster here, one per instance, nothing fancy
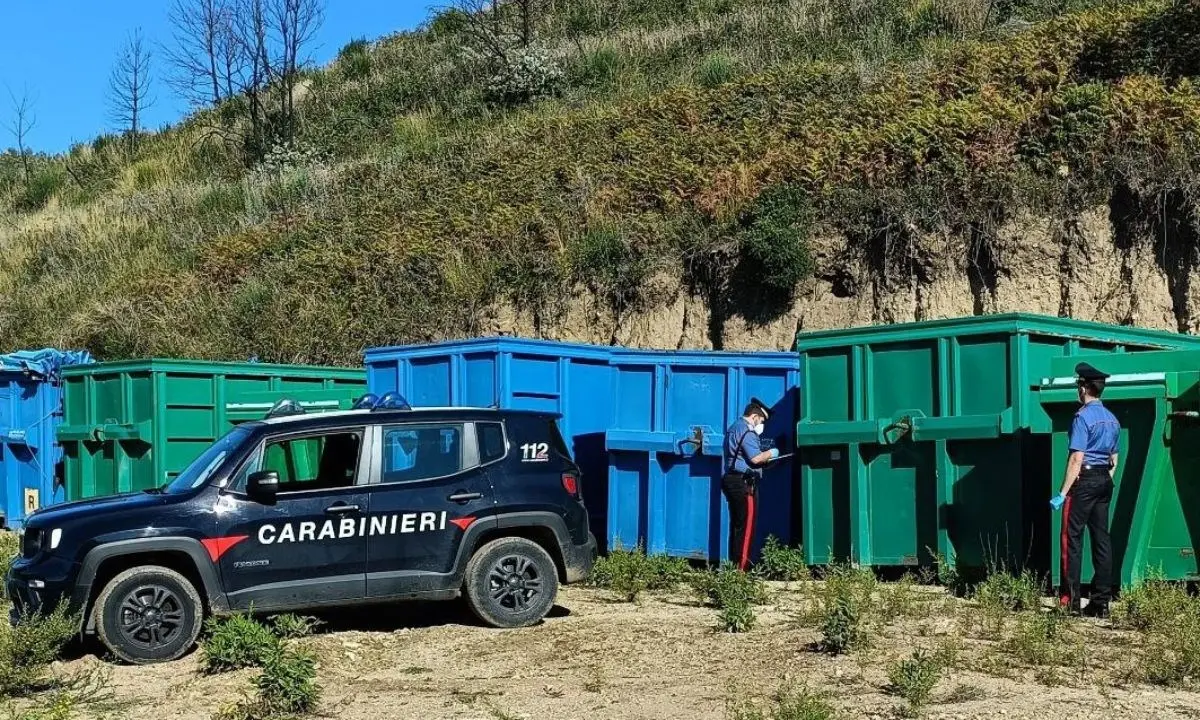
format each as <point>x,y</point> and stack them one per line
<point>30,410</point>
<point>646,427</point>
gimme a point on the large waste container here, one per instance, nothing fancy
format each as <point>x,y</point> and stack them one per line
<point>1155,510</point>
<point>645,426</point>
<point>30,410</point>
<point>136,425</point>
<point>928,439</point>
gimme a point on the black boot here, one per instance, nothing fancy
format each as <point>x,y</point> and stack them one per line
<point>1096,610</point>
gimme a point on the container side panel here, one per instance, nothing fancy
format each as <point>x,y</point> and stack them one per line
<point>586,417</point>
<point>825,504</point>
<point>827,388</point>
<point>635,397</point>
<point>903,503</point>
<point>536,377</point>
<point>236,385</point>
<point>697,396</point>
<point>480,389</point>
<point>189,423</point>
<point>985,521</point>
<point>109,399</point>
<point>190,391</point>
<point>629,482</point>
<point>383,376</point>
<point>982,376</point>
<point>904,377</point>
<point>289,384</point>
<point>692,516</point>
<point>1176,528</point>
<point>431,381</point>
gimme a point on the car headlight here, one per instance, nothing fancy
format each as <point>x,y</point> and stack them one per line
<point>55,537</point>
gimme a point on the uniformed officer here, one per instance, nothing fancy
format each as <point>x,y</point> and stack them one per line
<point>744,460</point>
<point>1087,490</point>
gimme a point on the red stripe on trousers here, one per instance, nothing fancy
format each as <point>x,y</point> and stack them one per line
<point>749,531</point>
<point>1064,540</point>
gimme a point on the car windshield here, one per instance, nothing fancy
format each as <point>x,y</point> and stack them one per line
<point>204,466</point>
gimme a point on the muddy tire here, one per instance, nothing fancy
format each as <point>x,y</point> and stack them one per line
<point>511,582</point>
<point>149,614</point>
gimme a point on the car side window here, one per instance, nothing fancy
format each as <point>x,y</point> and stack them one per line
<point>314,462</point>
<point>422,452</point>
<point>491,441</point>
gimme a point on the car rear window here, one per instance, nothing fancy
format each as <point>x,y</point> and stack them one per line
<point>491,441</point>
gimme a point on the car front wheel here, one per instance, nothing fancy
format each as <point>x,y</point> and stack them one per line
<point>511,582</point>
<point>149,614</point>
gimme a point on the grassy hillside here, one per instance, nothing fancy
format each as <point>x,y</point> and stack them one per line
<point>703,138</point>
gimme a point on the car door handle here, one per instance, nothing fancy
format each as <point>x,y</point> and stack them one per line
<point>341,508</point>
<point>462,496</point>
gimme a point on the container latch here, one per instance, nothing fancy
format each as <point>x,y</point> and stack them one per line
<point>898,430</point>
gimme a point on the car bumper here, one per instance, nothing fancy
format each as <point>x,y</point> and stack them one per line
<point>26,597</point>
<point>579,559</point>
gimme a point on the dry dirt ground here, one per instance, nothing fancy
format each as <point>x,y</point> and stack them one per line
<point>662,659</point>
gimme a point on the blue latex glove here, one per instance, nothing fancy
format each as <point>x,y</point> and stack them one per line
<point>1057,501</point>
<point>774,453</point>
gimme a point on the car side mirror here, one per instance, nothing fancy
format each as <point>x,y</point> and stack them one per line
<point>263,485</point>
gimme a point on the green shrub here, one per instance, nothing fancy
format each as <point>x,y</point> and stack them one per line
<point>1040,639</point>
<point>354,59</point>
<point>629,573</point>
<point>1152,603</point>
<point>599,68</point>
<point>1004,591</point>
<point>529,75</point>
<point>729,586</point>
<point>28,648</point>
<point>779,562</point>
<point>287,685</point>
<point>236,642</point>
<point>716,70</point>
<point>607,261</point>
<point>914,679</point>
<point>42,186</point>
<point>291,626</point>
<point>774,239</point>
<point>737,617</point>
<point>842,614</point>
<point>788,703</point>
<point>285,688</point>
<point>10,543</point>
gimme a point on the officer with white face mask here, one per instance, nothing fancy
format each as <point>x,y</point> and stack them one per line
<point>744,459</point>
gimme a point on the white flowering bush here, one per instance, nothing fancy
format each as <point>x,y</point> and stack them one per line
<point>530,74</point>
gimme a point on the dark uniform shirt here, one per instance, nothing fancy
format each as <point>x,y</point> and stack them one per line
<point>1094,432</point>
<point>741,444</point>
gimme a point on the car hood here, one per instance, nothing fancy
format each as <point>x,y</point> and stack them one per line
<point>82,509</point>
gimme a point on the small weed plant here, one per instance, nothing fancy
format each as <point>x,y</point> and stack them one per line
<point>843,610</point>
<point>286,688</point>
<point>1172,653</point>
<point>629,573</point>
<point>1155,603</point>
<point>235,642</point>
<point>734,594</point>
<point>1008,592</point>
<point>28,648</point>
<point>780,562</point>
<point>788,703</point>
<point>291,626</point>
<point>1040,639</point>
<point>914,679</point>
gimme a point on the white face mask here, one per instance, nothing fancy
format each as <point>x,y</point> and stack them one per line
<point>758,429</point>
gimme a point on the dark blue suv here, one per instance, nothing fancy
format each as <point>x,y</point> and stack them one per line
<point>309,511</point>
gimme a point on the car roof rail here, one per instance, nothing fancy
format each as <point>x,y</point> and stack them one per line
<point>285,407</point>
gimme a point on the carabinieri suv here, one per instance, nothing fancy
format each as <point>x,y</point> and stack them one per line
<point>301,512</point>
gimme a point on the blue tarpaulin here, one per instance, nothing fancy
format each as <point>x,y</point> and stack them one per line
<point>44,364</point>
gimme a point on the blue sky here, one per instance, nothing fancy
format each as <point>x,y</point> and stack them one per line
<point>63,51</point>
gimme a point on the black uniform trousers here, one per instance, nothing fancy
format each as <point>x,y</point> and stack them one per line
<point>1087,506</point>
<point>741,492</point>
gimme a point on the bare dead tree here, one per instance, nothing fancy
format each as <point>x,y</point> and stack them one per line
<point>295,23</point>
<point>200,57</point>
<point>22,123</point>
<point>129,86</point>
<point>495,28</point>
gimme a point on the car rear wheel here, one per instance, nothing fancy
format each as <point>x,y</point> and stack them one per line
<point>511,582</point>
<point>149,614</point>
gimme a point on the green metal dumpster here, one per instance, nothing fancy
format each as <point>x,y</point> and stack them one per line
<point>135,425</point>
<point>927,439</point>
<point>1155,511</point>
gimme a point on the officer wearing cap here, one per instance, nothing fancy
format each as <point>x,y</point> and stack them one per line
<point>744,460</point>
<point>1087,490</point>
